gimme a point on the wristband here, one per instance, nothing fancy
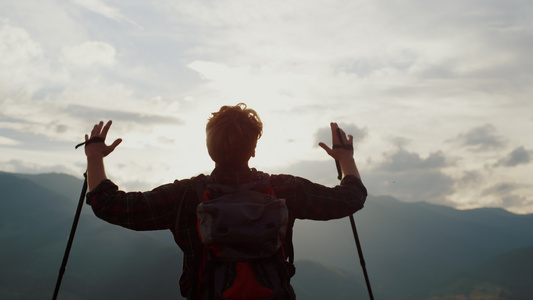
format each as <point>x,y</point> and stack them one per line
<point>343,146</point>
<point>95,139</point>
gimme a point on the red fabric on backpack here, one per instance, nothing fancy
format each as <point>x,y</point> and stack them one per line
<point>246,286</point>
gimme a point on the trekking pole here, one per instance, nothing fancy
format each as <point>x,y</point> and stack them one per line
<point>71,237</point>
<point>73,229</point>
<point>354,230</point>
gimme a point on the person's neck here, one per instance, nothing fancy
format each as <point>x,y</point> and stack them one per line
<point>233,168</point>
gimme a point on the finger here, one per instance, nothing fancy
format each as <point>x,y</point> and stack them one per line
<point>342,136</point>
<point>350,139</point>
<point>95,131</point>
<point>325,147</point>
<point>100,125</point>
<point>115,143</point>
<point>106,129</point>
<point>334,135</point>
<point>86,137</point>
<point>112,147</point>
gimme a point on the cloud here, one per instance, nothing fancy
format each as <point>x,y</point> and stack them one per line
<point>23,64</point>
<point>518,156</point>
<point>96,114</point>
<point>367,36</point>
<point>480,139</point>
<point>262,82</point>
<point>19,166</point>
<point>398,69</point>
<point>506,195</point>
<point>58,120</point>
<point>90,53</point>
<point>409,177</point>
<point>323,134</point>
<point>403,161</point>
<point>16,46</point>
<point>8,141</point>
<point>427,186</point>
<point>469,179</point>
<point>400,142</point>
<point>101,8</point>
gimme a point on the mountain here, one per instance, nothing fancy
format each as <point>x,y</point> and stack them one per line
<point>506,276</point>
<point>507,267</point>
<point>63,184</point>
<point>315,281</point>
<point>412,250</point>
<point>106,262</point>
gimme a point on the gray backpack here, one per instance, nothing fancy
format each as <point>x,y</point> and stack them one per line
<point>243,229</point>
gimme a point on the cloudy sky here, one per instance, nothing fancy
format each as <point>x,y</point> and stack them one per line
<point>437,94</point>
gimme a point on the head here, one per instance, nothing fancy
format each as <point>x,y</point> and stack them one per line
<point>232,135</point>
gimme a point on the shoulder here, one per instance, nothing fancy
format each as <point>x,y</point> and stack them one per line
<point>284,179</point>
<point>274,179</point>
<point>191,180</point>
<point>288,186</point>
<point>181,186</point>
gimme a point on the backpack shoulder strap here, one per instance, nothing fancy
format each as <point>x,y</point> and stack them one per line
<point>195,183</point>
<point>200,187</point>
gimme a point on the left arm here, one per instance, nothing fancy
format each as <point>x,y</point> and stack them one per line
<point>308,200</point>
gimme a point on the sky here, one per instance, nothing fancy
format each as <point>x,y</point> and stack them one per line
<point>437,95</point>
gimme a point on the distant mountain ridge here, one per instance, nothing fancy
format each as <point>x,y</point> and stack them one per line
<point>412,250</point>
<point>33,234</point>
<point>415,248</point>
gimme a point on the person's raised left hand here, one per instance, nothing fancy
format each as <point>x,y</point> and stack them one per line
<point>95,143</point>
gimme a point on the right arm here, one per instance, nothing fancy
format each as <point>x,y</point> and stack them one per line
<point>150,210</point>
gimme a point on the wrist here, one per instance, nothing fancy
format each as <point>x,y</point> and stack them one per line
<point>95,171</point>
<point>349,167</point>
<point>95,158</point>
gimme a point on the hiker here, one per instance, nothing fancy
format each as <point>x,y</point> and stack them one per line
<point>231,137</point>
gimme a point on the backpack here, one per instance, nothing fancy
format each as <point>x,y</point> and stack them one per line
<point>243,229</point>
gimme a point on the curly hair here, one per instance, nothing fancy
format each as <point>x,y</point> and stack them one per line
<point>232,134</point>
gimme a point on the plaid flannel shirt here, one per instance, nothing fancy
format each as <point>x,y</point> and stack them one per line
<point>173,206</point>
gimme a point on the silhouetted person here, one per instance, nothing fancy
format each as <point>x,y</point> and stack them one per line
<point>231,137</point>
